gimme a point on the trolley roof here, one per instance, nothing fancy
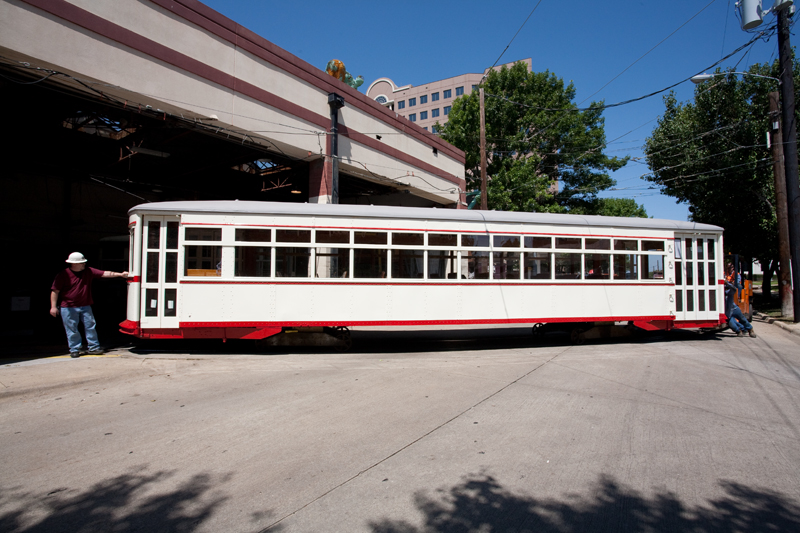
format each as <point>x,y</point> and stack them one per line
<point>235,207</point>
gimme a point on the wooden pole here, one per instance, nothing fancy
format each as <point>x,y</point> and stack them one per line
<point>790,152</point>
<point>781,207</point>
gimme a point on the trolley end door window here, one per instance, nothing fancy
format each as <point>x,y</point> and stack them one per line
<point>159,302</point>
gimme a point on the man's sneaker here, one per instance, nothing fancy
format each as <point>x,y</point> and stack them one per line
<point>98,351</point>
<point>74,355</point>
<point>739,333</point>
<point>752,333</point>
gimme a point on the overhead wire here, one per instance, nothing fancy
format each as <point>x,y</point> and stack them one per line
<point>751,42</point>
<point>512,39</point>
<point>648,52</point>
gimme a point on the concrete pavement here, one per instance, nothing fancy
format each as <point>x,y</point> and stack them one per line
<point>414,431</point>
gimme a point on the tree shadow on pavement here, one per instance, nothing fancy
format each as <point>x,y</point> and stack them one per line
<point>130,502</point>
<point>480,503</point>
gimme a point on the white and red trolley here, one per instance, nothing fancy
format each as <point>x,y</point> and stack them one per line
<point>230,269</point>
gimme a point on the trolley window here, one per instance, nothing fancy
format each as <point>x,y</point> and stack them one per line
<point>475,265</point>
<point>505,265</point>
<point>475,240</point>
<point>653,266</point>
<point>153,235</point>
<point>332,262</point>
<point>626,244</point>
<point>203,234</point>
<point>293,235</point>
<point>537,265</point>
<point>442,239</point>
<point>652,246</point>
<point>371,237</point>
<point>569,243</point>
<point>172,235</point>
<point>538,242</point>
<point>505,241</point>
<point>292,262</point>
<point>568,266</point>
<point>253,261</point>
<point>625,266</point>
<point>598,266</point>
<point>408,263</point>
<point>408,239</point>
<point>369,263</point>
<point>597,244</point>
<point>332,237</point>
<point>442,264</point>
<point>202,260</point>
<point>253,235</point>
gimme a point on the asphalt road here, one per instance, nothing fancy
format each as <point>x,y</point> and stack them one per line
<point>409,432</point>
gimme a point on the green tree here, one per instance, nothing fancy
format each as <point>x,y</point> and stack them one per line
<point>543,153</point>
<point>619,207</point>
<point>712,154</point>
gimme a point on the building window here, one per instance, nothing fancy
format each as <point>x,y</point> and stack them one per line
<point>423,115</point>
<point>381,100</point>
<point>423,99</point>
<point>459,91</point>
<point>434,112</point>
<point>447,110</point>
<point>412,102</point>
<point>425,128</point>
<point>434,129</point>
<point>474,87</point>
<point>412,117</point>
<point>434,97</point>
<point>401,104</point>
<point>448,93</point>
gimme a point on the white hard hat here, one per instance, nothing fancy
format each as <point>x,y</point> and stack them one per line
<point>76,257</point>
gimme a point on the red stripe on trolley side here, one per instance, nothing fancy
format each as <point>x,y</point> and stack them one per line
<point>512,283</point>
<point>466,322</point>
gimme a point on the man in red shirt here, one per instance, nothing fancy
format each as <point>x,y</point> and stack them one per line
<point>74,286</point>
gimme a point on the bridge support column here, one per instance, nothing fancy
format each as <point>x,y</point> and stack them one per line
<point>320,181</point>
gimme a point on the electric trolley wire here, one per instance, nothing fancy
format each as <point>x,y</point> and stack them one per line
<point>512,39</point>
<point>646,53</point>
<point>750,43</point>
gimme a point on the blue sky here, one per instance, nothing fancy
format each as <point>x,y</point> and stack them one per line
<point>589,42</point>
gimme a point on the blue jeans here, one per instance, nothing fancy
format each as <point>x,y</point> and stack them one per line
<point>738,322</point>
<point>71,316</point>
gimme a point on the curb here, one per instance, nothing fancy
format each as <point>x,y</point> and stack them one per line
<point>782,325</point>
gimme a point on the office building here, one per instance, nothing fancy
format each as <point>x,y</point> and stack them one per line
<point>427,104</point>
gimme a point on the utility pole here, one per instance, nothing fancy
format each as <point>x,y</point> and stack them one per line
<point>790,152</point>
<point>484,199</point>
<point>781,207</point>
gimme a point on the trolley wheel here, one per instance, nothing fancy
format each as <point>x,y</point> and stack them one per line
<point>577,336</point>
<point>343,334</point>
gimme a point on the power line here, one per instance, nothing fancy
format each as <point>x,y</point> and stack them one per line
<point>646,53</point>
<point>514,37</point>
<point>632,100</point>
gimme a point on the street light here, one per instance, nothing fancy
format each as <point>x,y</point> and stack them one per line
<point>781,183</point>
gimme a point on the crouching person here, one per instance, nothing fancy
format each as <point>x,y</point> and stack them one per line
<point>738,322</point>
